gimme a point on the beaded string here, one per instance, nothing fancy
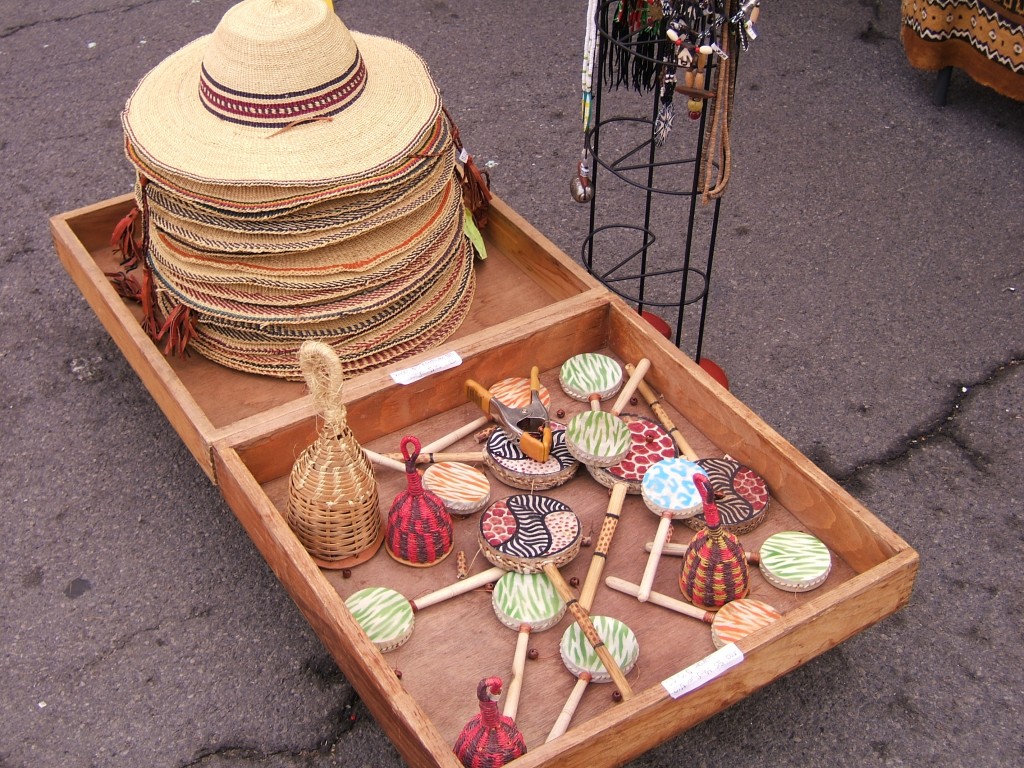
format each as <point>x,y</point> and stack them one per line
<point>581,185</point>
<point>589,54</point>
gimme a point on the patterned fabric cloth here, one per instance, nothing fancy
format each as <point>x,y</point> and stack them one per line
<point>984,38</point>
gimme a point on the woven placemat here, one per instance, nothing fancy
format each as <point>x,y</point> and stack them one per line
<point>323,224</point>
<point>425,325</point>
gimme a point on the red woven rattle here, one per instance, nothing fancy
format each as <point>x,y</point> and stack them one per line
<point>489,739</point>
<point>419,530</point>
<point>715,569</point>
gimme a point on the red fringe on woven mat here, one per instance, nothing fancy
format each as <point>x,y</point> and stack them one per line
<point>476,184</point>
<point>131,250</point>
<point>125,243</point>
<point>126,285</point>
<point>179,328</point>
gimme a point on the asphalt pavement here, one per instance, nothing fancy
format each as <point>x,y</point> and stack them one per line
<point>867,301</point>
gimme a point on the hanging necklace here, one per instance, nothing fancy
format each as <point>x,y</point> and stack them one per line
<point>581,187</point>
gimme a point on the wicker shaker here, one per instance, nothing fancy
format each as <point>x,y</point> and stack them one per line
<point>715,569</point>
<point>419,530</point>
<point>489,739</point>
<point>333,504</point>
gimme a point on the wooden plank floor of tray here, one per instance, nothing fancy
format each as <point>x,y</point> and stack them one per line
<point>458,642</point>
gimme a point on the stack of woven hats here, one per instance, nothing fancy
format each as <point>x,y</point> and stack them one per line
<point>297,181</point>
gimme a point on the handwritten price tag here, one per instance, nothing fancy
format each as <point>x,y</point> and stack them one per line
<point>427,367</point>
<point>703,671</point>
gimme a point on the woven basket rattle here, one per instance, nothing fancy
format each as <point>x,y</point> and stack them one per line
<point>419,531</point>
<point>333,504</point>
<point>490,739</point>
<point>715,569</point>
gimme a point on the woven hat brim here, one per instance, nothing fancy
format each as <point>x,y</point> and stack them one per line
<point>373,251</point>
<point>167,124</point>
<point>398,317</point>
<point>399,340</point>
<point>336,222</point>
<point>281,200</point>
<point>364,209</point>
<point>224,282</point>
<point>301,304</point>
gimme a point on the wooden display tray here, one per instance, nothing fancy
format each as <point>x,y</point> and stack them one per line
<point>518,279</point>
<point>249,452</point>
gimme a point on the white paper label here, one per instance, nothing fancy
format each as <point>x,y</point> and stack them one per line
<point>427,367</point>
<point>703,671</point>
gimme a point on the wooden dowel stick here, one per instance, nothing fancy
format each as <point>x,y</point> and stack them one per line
<point>604,542</point>
<point>669,548</point>
<point>659,411</point>
<point>515,687</point>
<point>460,587</point>
<point>582,618</point>
<point>468,457</point>
<point>381,460</point>
<point>679,550</point>
<point>569,708</point>
<point>453,437</point>
<point>636,377</point>
<point>657,598</point>
<point>660,539</point>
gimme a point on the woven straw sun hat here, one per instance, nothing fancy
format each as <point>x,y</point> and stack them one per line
<point>282,93</point>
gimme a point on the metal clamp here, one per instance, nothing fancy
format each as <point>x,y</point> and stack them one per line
<point>530,427</point>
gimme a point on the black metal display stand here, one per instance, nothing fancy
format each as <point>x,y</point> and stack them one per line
<point>651,237</point>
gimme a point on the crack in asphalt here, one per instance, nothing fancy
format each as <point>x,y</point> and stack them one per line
<point>122,641</point>
<point>940,428</point>
<point>344,717</point>
<point>9,31</point>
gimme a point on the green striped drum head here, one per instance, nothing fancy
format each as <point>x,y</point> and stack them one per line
<point>579,656</point>
<point>590,373</point>
<point>527,598</point>
<point>384,615</point>
<point>795,561</point>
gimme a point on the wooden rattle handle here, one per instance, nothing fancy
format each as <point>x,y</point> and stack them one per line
<point>582,618</point>
<point>636,377</point>
<point>659,410</point>
<point>680,550</point>
<point>458,588</point>
<point>604,542</point>
<point>383,460</point>
<point>671,549</point>
<point>468,457</point>
<point>660,539</point>
<point>569,708</point>
<point>453,437</point>
<point>657,598</point>
<point>515,687</point>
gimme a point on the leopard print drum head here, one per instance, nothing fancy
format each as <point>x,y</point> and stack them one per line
<point>526,531</point>
<point>649,444</point>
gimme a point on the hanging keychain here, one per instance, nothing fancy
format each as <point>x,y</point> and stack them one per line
<point>581,187</point>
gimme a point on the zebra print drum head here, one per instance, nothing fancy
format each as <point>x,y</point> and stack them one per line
<point>741,495</point>
<point>527,531</point>
<point>513,467</point>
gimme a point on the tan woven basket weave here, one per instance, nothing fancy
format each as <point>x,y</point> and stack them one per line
<point>333,504</point>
